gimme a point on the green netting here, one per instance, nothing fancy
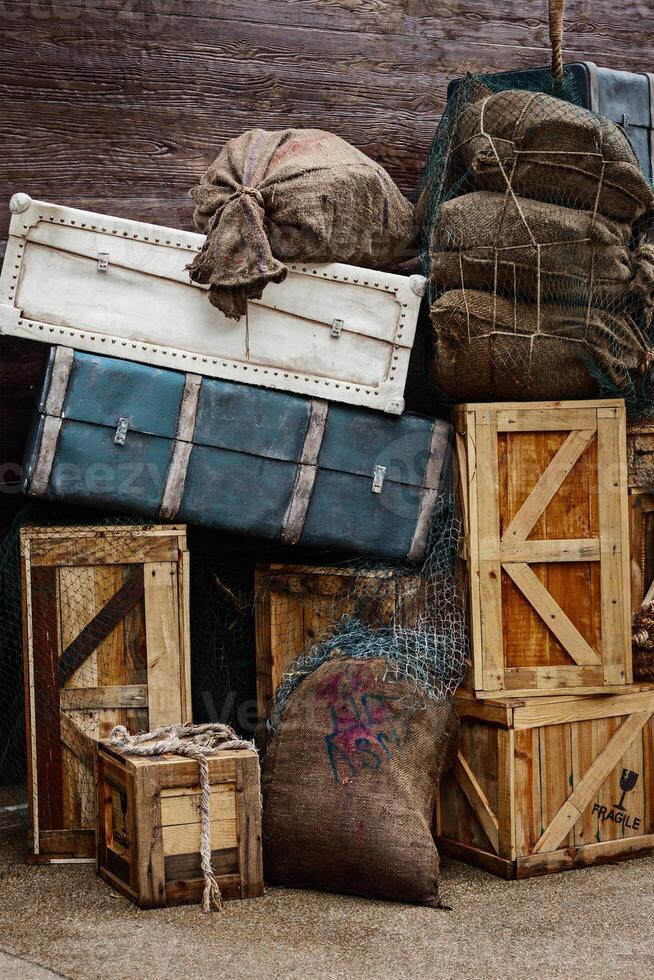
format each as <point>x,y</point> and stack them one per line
<point>419,628</point>
<point>535,218</point>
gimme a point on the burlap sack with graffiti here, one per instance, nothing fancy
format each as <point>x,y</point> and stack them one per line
<point>349,784</point>
<point>529,250</point>
<point>271,198</point>
<point>550,150</point>
<point>489,348</point>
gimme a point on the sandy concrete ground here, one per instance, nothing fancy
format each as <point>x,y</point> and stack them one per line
<point>592,923</point>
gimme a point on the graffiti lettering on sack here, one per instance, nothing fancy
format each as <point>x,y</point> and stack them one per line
<point>618,812</point>
<point>364,735</point>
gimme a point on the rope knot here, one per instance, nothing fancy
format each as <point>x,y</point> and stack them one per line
<point>243,190</point>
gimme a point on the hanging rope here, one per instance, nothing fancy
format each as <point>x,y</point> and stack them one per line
<point>556,36</point>
<point>196,742</point>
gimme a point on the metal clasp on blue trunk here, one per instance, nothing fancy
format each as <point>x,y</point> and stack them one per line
<point>378,475</point>
<point>121,432</point>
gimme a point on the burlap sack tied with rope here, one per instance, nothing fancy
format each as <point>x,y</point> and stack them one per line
<point>488,348</point>
<point>349,784</point>
<point>526,249</point>
<point>298,194</point>
<point>550,150</point>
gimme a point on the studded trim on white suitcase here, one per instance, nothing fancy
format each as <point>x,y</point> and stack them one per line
<point>119,287</point>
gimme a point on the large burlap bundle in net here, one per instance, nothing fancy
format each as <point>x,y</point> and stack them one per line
<point>490,347</point>
<point>535,223</point>
<point>545,148</point>
<point>297,194</point>
<point>530,250</point>
<point>349,783</point>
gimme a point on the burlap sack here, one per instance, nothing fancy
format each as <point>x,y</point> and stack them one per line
<point>491,348</point>
<point>297,194</point>
<point>524,248</point>
<point>550,150</point>
<point>349,784</point>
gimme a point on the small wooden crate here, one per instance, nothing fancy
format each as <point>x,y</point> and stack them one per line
<point>544,493</point>
<point>549,784</point>
<point>149,826</point>
<point>106,642</point>
<point>298,606</point>
<point>640,455</point>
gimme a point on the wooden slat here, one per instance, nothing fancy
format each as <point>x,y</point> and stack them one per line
<point>475,855</point>
<point>552,614</point>
<point>186,694</point>
<point>185,838</point>
<point>545,711</point>
<point>584,549</point>
<point>548,484</point>
<point>477,799</point>
<point>65,845</point>
<point>162,629</point>
<point>185,867</point>
<point>528,799</point>
<point>506,793</point>
<point>545,419</point>
<point>44,652</point>
<point>604,852</point>
<point>248,782</point>
<point>184,807</point>
<point>577,801</point>
<point>105,548</point>
<point>614,566</point>
<point>150,879</point>
<point>551,680</point>
<point>97,698</point>
<point>472,488</point>
<point>101,626</point>
<point>82,746</point>
<point>488,521</point>
<point>555,752</point>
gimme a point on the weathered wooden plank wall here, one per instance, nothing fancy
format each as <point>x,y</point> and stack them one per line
<point>119,105</point>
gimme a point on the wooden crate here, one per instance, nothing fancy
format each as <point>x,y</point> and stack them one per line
<point>298,606</point>
<point>641,544</point>
<point>542,784</point>
<point>106,642</point>
<point>149,826</point>
<point>544,490</point>
<point>640,455</point>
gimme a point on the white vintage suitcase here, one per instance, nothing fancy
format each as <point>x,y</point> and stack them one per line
<point>120,287</point>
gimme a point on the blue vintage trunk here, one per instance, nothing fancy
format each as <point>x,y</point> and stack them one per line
<point>127,436</point>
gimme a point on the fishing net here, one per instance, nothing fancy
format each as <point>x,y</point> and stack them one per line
<point>412,617</point>
<point>535,217</point>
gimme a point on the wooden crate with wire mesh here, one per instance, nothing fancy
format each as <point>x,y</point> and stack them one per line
<point>298,606</point>
<point>106,642</point>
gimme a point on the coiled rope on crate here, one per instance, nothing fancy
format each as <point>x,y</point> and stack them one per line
<point>195,742</point>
